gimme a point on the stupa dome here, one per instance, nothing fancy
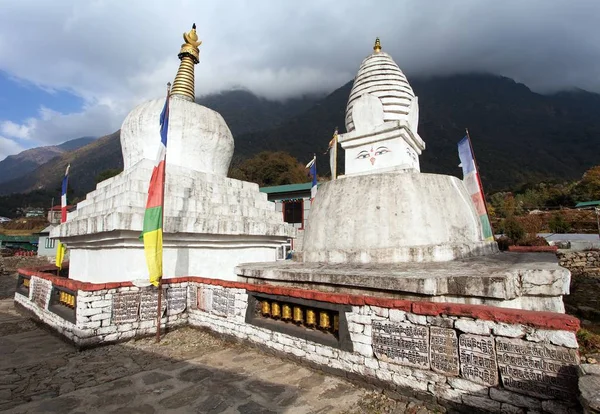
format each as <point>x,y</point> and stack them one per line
<point>380,76</point>
<point>198,137</point>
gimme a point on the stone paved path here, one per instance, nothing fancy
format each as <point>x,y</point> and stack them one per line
<point>190,371</point>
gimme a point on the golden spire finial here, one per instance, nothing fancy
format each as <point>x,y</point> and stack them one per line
<point>183,85</point>
<point>377,47</point>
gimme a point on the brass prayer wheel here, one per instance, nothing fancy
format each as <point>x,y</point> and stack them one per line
<point>336,322</point>
<point>286,312</point>
<point>311,317</point>
<point>275,310</point>
<point>298,317</point>
<point>72,300</point>
<point>265,308</point>
<point>26,282</point>
<point>324,322</point>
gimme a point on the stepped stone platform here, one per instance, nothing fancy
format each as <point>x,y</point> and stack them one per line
<point>531,281</point>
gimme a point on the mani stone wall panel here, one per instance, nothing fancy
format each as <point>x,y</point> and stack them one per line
<point>443,351</point>
<point>41,292</point>
<point>538,369</point>
<point>401,342</point>
<point>477,355</point>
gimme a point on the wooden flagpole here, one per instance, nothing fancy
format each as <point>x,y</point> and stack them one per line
<point>479,181</point>
<point>162,221</point>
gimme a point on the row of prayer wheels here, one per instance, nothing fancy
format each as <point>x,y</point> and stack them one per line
<point>66,299</point>
<point>301,315</point>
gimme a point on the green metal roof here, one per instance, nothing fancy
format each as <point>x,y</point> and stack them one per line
<point>18,239</point>
<point>588,204</point>
<point>288,188</point>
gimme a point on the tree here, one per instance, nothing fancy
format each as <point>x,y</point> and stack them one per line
<point>588,188</point>
<point>106,174</point>
<point>269,168</point>
<point>513,229</point>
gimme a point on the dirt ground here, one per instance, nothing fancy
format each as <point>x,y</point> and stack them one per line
<point>189,371</point>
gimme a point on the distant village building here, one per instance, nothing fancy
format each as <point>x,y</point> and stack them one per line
<point>34,212</point>
<point>46,245</point>
<point>54,213</point>
<point>292,201</point>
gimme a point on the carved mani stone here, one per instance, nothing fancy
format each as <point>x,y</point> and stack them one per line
<point>443,350</point>
<point>401,342</point>
<point>125,307</point>
<point>538,369</point>
<point>176,300</point>
<point>478,359</point>
<point>223,302</point>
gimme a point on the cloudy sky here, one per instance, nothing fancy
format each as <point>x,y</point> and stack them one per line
<point>75,68</point>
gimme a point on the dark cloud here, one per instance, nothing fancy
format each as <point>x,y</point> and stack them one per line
<point>115,54</point>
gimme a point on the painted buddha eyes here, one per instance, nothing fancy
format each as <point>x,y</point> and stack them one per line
<point>382,150</point>
<point>372,153</point>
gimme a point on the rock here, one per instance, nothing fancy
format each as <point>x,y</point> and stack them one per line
<point>514,399</point>
<point>590,397</point>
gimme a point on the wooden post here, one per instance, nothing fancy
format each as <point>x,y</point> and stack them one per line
<point>162,225</point>
<point>479,182</point>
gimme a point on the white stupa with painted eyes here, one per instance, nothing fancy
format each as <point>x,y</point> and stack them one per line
<point>381,119</point>
<point>384,210</point>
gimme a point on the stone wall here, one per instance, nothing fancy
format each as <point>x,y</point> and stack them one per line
<point>458,355</point>
<point>580,261</point>
<point>584,299</point>
<point>11,264</point>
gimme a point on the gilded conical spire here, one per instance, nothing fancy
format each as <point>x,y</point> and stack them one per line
<point>377,47</point>
<point>183,85</point>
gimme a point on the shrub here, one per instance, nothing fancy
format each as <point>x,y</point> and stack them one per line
<point>513,229</point>
<point>558,224</point>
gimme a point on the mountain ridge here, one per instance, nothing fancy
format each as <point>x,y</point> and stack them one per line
<point>518,136</point>
<point>17,165</point>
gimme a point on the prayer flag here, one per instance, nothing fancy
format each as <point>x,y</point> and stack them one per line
<point>153,217</point>
<point>61,248</point>
<point>473,184</point>
<point>313,171</point>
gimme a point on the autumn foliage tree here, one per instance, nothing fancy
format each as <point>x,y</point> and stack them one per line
<point>269,168</point>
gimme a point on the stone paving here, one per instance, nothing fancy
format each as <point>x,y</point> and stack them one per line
<point>189,371</point>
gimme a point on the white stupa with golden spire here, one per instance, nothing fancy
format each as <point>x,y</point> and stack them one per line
<point>211,222</point>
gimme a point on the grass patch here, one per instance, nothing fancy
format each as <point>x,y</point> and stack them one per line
<point>589,342</point>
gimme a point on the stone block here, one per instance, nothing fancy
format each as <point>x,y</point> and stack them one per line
<point>111,337</point>
<point>326,351</point>
<point>445,392</point>
<point>356,318</point>
<point>360,338</point>
<point>428,376</point>
<point>590,397</point>
<point>511,409</point>
<point>409,382</point>
<point>440,321</point>
<point>481,402</point>
<point>384,375</point>
<point>363,349</point>
<point>355,327</point>
<point>477,327</point>
<point>372,363</point>
<point>91,325</point>
<point>89,312</point>
<point>514,399</point>
<point>105,330</point>
<point>560,338</point>
<point>381,312</point>
<point>368,330</point>
<point>468,386</point>
<point>100,316</point>
<point>397,315</point>
<point>508,330</point>
<point>417,319</point>
<point>554,407</point>
<point>101,303</point>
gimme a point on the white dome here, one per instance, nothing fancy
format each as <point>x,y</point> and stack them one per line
<point>198,137</point>
<point>381,77</point>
